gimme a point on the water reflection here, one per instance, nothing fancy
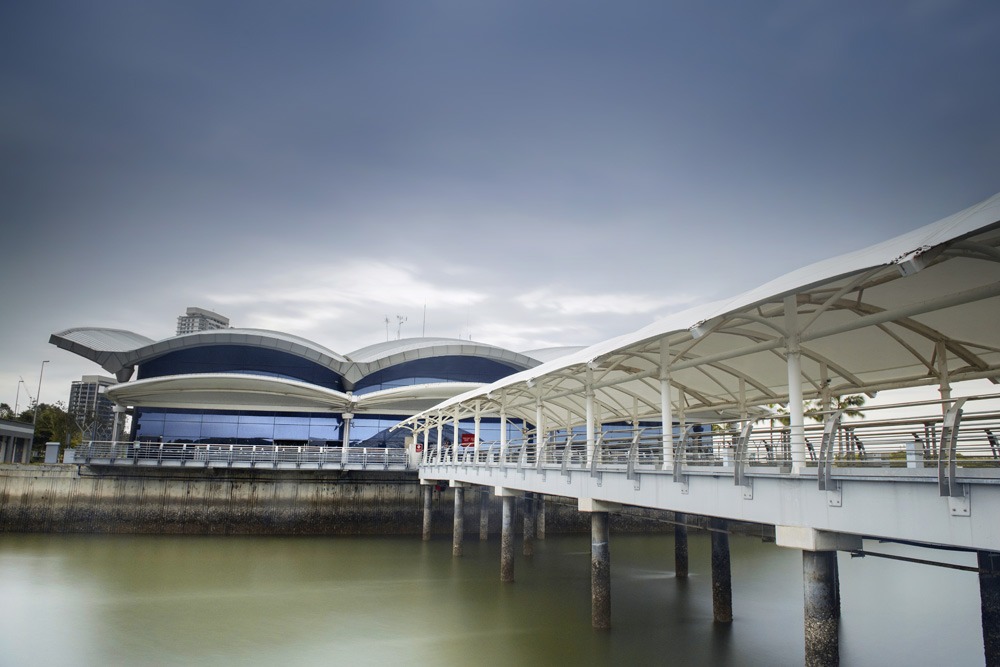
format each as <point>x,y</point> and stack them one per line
<point>94,600</point>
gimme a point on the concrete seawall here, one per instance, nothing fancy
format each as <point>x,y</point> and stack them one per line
<point>215,501</point>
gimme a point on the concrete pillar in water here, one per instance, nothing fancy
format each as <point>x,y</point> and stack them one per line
<point>506,535</point>
<point>600,572</point>
<point>680,545</point>
<point>484,514</point>
<point>822,607</point>
<point>529,525</point>
<point>821,587</point>
<point>428,497</point>
<point>722,582</point>
<point>600,560</point>
<point>540,516</point>
<point>458,532</point>
<point>989,596</point>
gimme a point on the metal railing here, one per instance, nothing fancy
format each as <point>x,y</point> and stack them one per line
<point>247,456</point>
<point>935,443</point>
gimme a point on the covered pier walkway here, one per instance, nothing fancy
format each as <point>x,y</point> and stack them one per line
<point>677,416</point>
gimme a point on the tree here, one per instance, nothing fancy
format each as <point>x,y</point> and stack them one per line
<point>7,412</point>
<point>54,424</point>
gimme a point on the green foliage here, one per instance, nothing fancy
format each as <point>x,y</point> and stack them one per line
<point>7,412</point>
<point>54,424</point>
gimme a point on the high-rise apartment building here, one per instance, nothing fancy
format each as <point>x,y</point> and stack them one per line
<point>199,319</point>
<point>90,408</point>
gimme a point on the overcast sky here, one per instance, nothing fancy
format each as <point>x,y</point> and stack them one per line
<point>534,173</point>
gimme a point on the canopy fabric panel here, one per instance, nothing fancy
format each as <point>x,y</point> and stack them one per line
<point>920,309</point>
<point>229,391</point>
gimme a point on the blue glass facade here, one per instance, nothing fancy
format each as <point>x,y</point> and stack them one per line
<point>269,427</point>
<point>435,369</point>
<point>240,359</point>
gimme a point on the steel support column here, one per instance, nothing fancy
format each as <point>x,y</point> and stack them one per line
<point>722,581</point>
<point>796,411</point>
<point>822,608</point>
<point>666,407</point>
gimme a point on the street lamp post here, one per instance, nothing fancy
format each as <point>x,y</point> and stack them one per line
<point>38,396</point>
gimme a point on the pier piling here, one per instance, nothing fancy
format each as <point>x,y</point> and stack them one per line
<point>507,541</point>
<point>458,532</point>
<point>428,501</point>
<point>529,525</point>
<point>822,608</point>
<point>600,571</point>
<point>680,546</point>
<point>484,514</point>
<point>722,583</point>
<point>989,596</point>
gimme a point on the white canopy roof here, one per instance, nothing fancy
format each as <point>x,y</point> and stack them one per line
<point>918,309</point>
<point>239,391</point>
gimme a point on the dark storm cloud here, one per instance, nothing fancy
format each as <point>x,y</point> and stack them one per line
<point>529,169</point>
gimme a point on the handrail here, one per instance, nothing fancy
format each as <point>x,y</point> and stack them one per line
<point>207,454</point>
<point>947,462</point>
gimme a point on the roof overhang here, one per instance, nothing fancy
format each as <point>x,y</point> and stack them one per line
<point>229,391</point>
<point>920,309</point>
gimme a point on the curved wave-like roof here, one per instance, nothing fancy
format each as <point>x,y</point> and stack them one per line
<point>238,391</point>
<point>120,351</point>
<point>383,355</point>
<point>906,312</point>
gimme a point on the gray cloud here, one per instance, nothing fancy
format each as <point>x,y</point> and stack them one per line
<point>537,173</point>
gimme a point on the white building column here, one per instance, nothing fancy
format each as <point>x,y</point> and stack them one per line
<point>503,434</point>
<point>590,415</point>
<point>456,440</point>
<point>440,438</point>
<point>475,437</point>
<point>666,408</point>
<point>347,417</point>
<point>796,416</point>
<point>427,432</point>
<point>539,425</point>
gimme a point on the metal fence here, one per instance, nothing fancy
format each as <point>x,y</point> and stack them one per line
<point>246,456</point>
<point>951,437</point>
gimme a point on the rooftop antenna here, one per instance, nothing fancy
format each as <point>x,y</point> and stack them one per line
<point>387,328</point>
<point>399,327</point>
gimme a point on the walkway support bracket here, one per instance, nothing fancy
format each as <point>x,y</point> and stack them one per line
<point>947,464</point>
<point>742,445</point>
<point>824,474</point>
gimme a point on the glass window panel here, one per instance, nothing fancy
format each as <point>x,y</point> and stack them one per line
<point>256,419</point>
<point>181,430</point>
<point>227,419</point>
<point>218,430</point>
<point>291,431</point>
<point>255,430</point>
<point>173,417</point>
<point>291,419</point>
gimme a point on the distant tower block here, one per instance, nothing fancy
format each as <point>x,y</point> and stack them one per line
<point>199,319</point>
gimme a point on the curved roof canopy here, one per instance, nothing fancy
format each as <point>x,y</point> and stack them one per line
<point>920,309</point>
<point>120,351</point>
<point>237,391</point>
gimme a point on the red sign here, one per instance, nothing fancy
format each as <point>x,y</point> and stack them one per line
<point>468,439</point>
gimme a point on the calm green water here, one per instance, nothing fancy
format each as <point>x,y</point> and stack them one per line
<point>126,600</point>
